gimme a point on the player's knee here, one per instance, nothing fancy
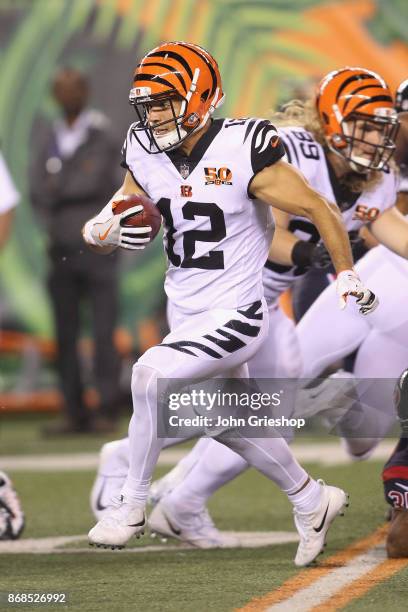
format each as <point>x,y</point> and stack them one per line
<point>144,385</point>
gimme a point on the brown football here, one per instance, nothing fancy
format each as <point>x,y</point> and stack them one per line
<point>150,214</point>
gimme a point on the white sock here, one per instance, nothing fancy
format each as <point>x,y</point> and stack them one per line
<point>308,498</point>
<point>136,491</point>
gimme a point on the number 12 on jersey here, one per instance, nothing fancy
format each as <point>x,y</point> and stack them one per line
<point>215,258</point>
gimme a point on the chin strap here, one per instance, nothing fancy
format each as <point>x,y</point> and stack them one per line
<point>171,138</point>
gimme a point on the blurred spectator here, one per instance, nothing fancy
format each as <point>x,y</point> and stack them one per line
<point>73,175</point>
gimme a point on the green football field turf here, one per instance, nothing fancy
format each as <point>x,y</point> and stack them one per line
<point>186,580</point>
<point>22,435</point>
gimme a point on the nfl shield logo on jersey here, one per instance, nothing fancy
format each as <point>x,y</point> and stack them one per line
<point>184,170</point>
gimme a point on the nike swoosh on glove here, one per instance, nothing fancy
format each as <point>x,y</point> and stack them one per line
<point>114,233</point>
<point>348,283</point>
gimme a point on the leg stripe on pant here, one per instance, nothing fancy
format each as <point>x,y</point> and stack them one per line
<point>243,328</point>
<point>182,344</point>
<point>251,312</point>
<point>231,344</point>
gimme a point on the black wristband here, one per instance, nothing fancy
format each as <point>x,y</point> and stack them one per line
<point>302,253</point>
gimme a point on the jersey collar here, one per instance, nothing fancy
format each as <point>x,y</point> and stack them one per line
<point>180,160</point>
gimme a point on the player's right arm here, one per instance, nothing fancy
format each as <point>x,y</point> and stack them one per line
<point>282,186</point>
<point>105,232</point>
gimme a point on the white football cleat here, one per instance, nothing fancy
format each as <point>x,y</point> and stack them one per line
<point>12,516</point>
<point>313,526</point>
<point>195,529</point>
<point>120,522</point>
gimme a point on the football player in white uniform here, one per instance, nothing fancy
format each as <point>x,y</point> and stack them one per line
<point>216,251</point>
<point>359,192</point>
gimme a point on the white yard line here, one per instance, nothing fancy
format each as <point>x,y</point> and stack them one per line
<point>247,539</point>
<point>337,580</point>
<point>324,453</point>
<point>71,462</point>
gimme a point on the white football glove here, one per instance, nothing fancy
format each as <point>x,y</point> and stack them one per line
<point>348,283</point>
<point>113,233</point>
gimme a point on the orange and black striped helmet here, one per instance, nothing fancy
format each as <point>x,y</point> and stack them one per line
<point>350,94</point>
<point>178,70</point>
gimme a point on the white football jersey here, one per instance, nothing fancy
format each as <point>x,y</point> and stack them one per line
<point>357,209</point>
<point>216,237</point>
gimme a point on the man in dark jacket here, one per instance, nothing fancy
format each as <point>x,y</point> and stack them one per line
<point>73,174</point>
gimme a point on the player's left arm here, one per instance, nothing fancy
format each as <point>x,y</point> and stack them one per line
<point>391,230</point>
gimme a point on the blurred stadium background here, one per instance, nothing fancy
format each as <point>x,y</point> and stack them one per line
<point>269,51</point>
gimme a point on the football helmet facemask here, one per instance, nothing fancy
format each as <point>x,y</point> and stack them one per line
<point>351,104</point>
<point>174,72</point>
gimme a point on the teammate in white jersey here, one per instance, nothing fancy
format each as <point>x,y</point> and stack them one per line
<point>218,228</point>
